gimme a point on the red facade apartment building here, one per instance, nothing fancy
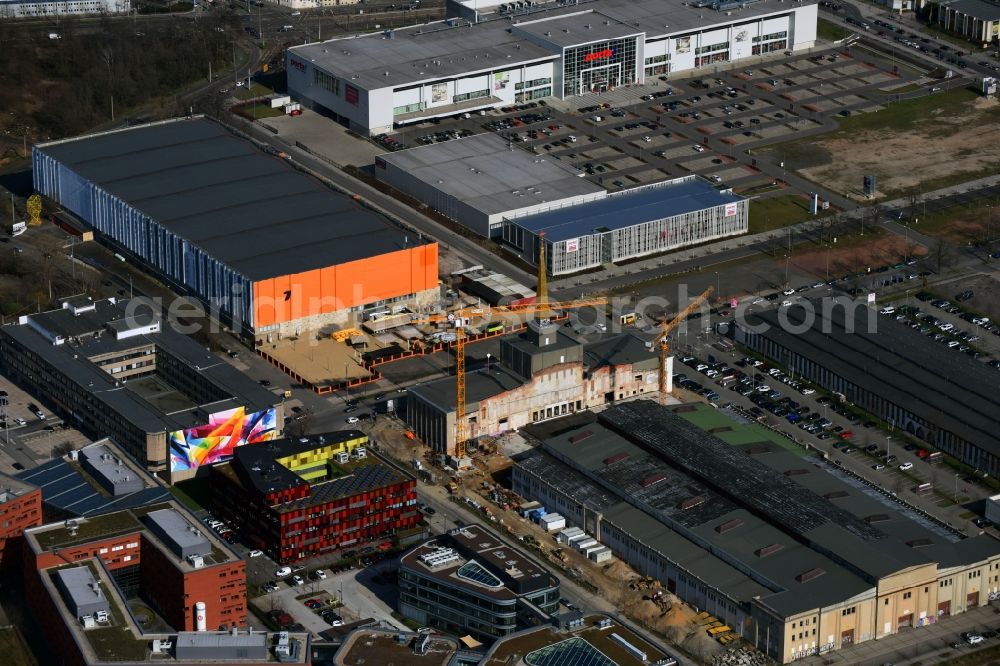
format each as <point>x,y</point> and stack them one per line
<point>20,508</point>
<point>159,550</point>
<point>301,498</point>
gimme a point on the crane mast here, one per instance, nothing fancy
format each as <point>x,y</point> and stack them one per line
<point>663,342</point>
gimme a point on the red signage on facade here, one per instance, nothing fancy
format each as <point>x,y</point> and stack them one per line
<point>599,55</point>
<point>301,66</point>
<point>351,95</point>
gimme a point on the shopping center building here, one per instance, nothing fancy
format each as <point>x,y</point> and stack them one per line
<point>376,82</point>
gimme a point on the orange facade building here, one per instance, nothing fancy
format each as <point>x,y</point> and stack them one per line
<point>260,243</point>
<point>322,292</point>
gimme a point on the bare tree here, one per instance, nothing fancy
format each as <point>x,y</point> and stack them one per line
<point>299,425</point>
<point>941,253</point>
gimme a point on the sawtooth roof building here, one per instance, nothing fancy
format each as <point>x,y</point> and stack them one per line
<point>905,378</point>
<point>379,81</point>
<point>789,553</point>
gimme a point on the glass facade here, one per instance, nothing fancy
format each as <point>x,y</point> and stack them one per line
<point>599,66</point>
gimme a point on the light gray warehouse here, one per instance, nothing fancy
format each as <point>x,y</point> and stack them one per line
<point>483,179</point>
<point>629,224</point>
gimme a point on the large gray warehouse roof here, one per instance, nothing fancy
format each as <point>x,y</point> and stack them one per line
<point>950,390</point>
<point>685,195</point>
<point>487,173</point>
<point>249,210</point>
<point>438,51</point>
<point>984,11</point>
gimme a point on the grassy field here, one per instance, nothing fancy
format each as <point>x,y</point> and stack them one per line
<point>255,111</point>
<point>12,644</point>
<point>909,113</point>
<point>831,31</point>
<point>777,212</point>
<point>255,90</point>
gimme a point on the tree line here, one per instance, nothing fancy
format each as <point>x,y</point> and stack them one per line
<point>62,87</point>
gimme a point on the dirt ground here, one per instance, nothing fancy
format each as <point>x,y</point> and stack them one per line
<point>962,143</point>
<point>616,581</point>
<point>856,255</point>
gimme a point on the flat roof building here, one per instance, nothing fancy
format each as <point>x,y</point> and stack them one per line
<point>380,81</point>
<point>21,508</point>
<point>753,530</point>
<point>81,591</point>
<point>629,224</point>
<point>350,494</point>
<point>260,244</point>
<point>125,552</point>
<point>71,491</point>
<point>491,589</point>
<point>114,369</point>
<point>976,20</point>
<point>481,180</point>
<point>46,8</point>
<point>943,397</point>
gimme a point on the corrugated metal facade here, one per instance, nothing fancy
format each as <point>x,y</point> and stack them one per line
<point>172,257</point>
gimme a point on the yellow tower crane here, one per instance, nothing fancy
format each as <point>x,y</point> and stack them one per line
<point>542,309</point>
<point>665,332</point>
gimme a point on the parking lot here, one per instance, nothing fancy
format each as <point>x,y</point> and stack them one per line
<point>820,424</point>
<point>670,127</point>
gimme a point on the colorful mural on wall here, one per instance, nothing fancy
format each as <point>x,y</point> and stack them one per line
<point>215,441</point>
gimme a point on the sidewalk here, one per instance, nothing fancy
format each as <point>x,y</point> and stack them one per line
<point>921,645</point>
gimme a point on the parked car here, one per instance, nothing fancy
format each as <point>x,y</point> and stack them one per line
<point>906,467</point>
<point>283,572</point>
<point>255,553</point>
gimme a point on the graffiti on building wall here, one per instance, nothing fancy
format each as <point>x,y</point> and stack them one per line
<point>215,441</point>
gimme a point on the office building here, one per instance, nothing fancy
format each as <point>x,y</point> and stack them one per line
<point>83,575</point>
<point>20,508</point>
<point>114,369</point>
<point>470,582</point>
<point>295,499</point>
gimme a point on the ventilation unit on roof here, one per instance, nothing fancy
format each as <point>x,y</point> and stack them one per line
<point>439,557</point>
